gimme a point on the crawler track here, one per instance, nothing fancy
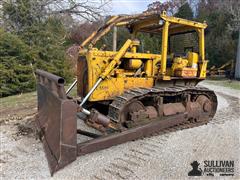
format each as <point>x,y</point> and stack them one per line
<point>163,125</point>
<point>117,106</point>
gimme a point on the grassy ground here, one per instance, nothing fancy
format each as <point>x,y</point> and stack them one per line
<point>234,84</point>
<point>16,100</point>
<point>19,106</point>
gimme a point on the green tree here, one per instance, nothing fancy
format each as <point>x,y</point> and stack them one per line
<point>47,40</point>
<point>21,14</point>
<point>221,41</point>
<point>16,74</point>
<point>40,44</point>
<point>185,11</point>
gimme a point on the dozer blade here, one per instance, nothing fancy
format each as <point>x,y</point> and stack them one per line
<point>56,121</point>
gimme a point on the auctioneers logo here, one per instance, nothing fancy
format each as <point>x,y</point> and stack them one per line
<point>212,168</point>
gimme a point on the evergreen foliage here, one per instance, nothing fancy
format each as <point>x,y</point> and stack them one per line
<point>16,73</point>
<point>185,12</point>
<point>27,43</point>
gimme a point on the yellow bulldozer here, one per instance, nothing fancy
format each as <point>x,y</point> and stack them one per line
<point>125,94</point>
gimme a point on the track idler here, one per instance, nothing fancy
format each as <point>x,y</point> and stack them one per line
<point>200,109</point>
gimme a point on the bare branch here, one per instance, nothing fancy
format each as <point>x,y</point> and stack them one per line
<point>88,9</point>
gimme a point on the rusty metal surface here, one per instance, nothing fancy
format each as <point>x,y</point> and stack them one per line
<point>86,133</point>
<point>44,75</point>
<point>205,103</point>
<point>173,108</point>
<point>180,120</point>
<point>57,124</point>
<point>162,125</point>
<point>152,112</point>
<point>128,111</point>
<point>56,121</point>
<point>117,107</point>
<point>141,116</point>
<point>82,76</point>
<point>129,135</point>
<point>194,110</point>
<point>97,117</point>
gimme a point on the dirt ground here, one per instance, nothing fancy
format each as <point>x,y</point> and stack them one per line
<point>165,156</point>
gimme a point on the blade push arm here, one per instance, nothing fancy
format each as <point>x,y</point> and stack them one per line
<point>109,68</point>
<point>116,59</point>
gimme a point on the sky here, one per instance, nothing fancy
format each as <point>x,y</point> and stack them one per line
<point>129,6</point>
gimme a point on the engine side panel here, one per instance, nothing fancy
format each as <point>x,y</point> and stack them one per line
<point>119,80</point>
